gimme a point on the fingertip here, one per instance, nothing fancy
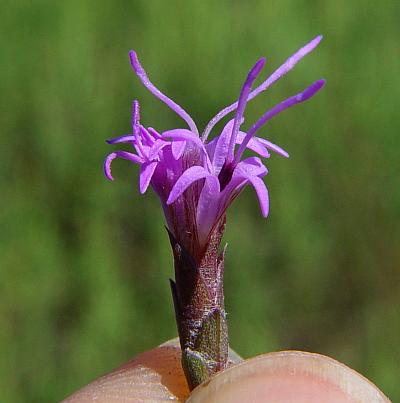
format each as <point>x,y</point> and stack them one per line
<point>286,377</point>
<point>155,376</point>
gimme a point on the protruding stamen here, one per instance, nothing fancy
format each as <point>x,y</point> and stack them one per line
<point>287,66</point>
<point>154,133</point>
<point>127,138</point>
<point>146,135</point>
<point>135,117</point>
<point>244,94</point>
<point>140,72</point>
<point>139,147</point>
<point>121,154</point>
<point>295,99</point>
<point>276,75</point>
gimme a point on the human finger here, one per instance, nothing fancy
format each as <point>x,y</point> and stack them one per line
<point>153,376</point>
<point>287,377</point>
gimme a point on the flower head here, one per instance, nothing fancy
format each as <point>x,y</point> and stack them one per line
<point>196,178</point>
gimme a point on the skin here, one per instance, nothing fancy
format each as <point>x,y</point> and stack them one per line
<point>289,376</point>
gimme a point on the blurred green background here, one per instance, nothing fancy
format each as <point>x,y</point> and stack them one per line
<point>85,263</point>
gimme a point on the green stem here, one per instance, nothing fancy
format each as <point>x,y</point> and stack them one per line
<point>199,308</point>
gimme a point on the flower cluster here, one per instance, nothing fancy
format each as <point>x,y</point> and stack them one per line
<point>197,179</point>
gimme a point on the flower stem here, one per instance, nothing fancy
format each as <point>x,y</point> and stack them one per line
<point>199,308</point>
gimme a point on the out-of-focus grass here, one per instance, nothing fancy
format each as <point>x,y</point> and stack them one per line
<point>85,263</point>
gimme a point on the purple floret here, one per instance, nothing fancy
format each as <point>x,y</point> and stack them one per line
<point>196,179</point>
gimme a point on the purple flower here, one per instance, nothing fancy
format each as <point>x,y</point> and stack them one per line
<point>197,179</point>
